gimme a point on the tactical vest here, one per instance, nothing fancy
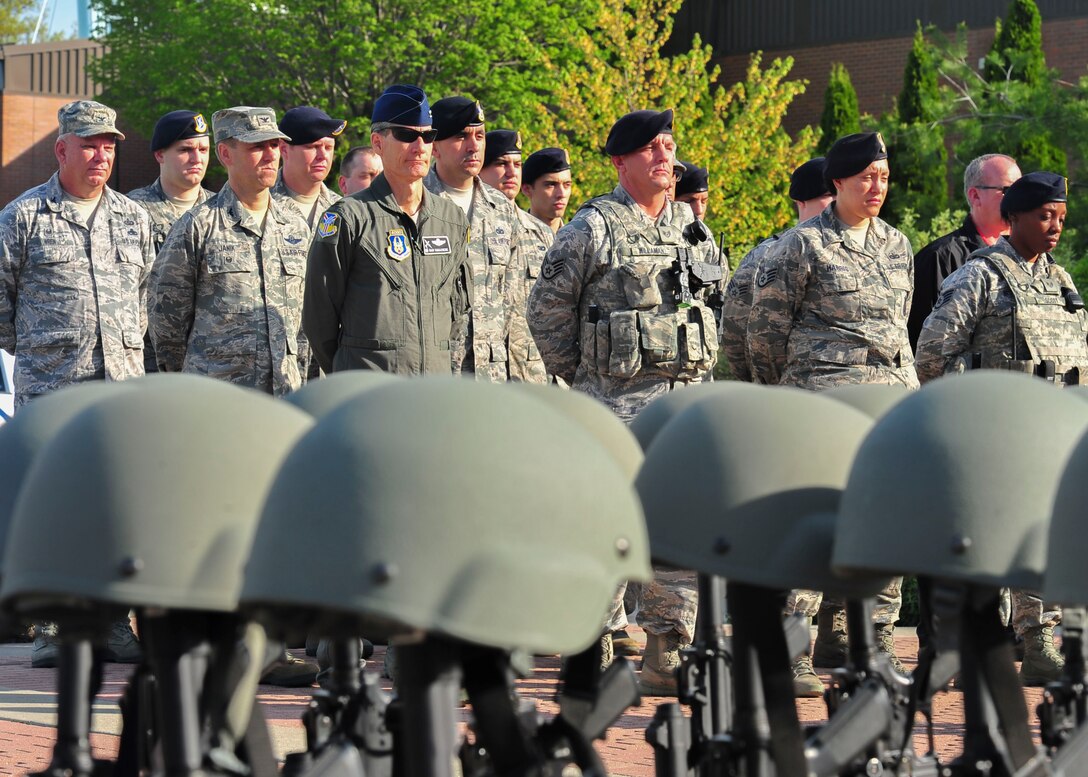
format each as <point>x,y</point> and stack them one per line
<point>638,317</point>
<point>1051,332</point>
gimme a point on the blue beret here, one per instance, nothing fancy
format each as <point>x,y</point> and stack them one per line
<point>544,161</point>
<point>636,130</point>
<point>402,104</point>
<point>453,114</point>
<point>1032,191</point>
<point>807,181</point>
<point>501,143</point>
<point>852,154</point>
<point>695,179</point>
<point>306,124</point>
<point>175,126</point>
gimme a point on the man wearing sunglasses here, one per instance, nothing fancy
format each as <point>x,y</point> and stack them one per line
<point>498,344</point>
<point>984,183</point>
<point>387,283</point>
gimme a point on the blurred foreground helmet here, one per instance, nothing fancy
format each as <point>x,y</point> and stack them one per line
<point>24,436</point>
<point>746,484</point>
<point>958,480</point>
<point>318,397</point>
<point>873,399</point>
<point>463,509</point>
<point>595,418</point>
<point>652,418</point>
<point>1066,572</point>
<point>149,498</point>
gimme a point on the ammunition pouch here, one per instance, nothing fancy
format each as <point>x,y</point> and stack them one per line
<point>682,344</point>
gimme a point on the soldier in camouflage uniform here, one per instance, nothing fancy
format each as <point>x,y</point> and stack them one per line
<point>693,189</point>
<point>181,146</point>
<point>502,171</point>
<point>618,313</point>
<point>810,196</point>
<point>1011,307</point>
<point>74,263</point>
<point>546,183</point>
<point>496,249</point>
<point>227,286</point>
<point>830,307</point>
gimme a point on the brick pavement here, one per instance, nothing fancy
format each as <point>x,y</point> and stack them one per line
<point>27,706</point>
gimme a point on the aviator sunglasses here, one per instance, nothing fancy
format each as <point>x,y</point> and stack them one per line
<point>406,135</point>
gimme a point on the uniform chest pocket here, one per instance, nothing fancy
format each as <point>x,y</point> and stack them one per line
<point>498,250</point>
<point>222,261</point>
<point>49,253</point>
<point>293,261</point>
<point>233,280</point>
<point>640,284</point>
<point>131,255</point>
<point>842,298</point>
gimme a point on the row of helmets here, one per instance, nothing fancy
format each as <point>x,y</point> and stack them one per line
<point>978,478</point>
<point>364,504</point>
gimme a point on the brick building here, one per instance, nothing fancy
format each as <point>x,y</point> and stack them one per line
<point>870,37</point>
<point>35,81</point>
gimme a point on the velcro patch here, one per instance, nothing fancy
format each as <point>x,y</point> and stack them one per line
<point>436,244</point>
<point>329,225</point>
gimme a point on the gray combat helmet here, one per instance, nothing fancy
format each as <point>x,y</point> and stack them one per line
<point>652,418</point>
<point>745,485</point>
<point>1066,574</point>
<point>595,418</point>
<point>24,436</point>
<point>319,397</point>
<point>465,509</point>
<point>158,500</point>
<point>873,399</point>
<point>958,480</point>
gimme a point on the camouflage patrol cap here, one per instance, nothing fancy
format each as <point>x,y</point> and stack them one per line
<point>163,485</point>
<point>86,118</point>
<point>957,481</point>
<point>405,535</point>
<point>246,124</point>
<point>755,478</point>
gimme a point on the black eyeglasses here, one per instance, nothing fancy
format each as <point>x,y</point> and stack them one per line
<point>1002,189</point>
<point>406,135</point>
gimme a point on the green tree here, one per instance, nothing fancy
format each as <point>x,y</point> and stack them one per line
<point>918,159</point>
<point>167,54</point>
<point>840,116</point>
<point>735,132</point>
<point>16,20</point>
<point>1017,51</point>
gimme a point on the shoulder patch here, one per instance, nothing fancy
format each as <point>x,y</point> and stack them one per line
<point>329,225</point>
<point>766,277</point>
<point>945,296</point>
<point>552,267</point>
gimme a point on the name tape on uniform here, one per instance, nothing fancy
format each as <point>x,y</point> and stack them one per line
<point>438,244</point>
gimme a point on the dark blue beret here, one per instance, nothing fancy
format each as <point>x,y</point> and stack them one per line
<point>453,114</point>
<point>306,124</point>
<point>852,154</point>
<point>544,161</point>
<point>695,179</point>
<point>402,104</point>
<point>807,181</point>
<point>175,126</point>
<point>501,143</point>
<point>636,130</point>
<point>1032,191</point>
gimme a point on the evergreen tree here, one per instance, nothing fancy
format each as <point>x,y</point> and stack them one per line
<point>1017,52</point>
<point>840,116</point>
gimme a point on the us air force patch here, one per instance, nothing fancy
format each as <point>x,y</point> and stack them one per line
<point>766,277</point>
<point>436,244</point>
<point>329,225</point>
<point>398,248</point>
<point>199,124</point>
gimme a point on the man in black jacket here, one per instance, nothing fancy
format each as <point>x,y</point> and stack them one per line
<point>984,183</point>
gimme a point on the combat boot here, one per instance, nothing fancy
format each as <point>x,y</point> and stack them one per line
<point>660,661</point>
<point>623,644</point>
<point>1042,661</point>
<point>832,646</point>
<point>806,684</point>
<point>122,646</point>
<point>885,645</point>
<point>45,651</point>
<point>608,650</point>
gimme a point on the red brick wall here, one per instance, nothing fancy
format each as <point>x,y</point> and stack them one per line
<point>876,67</point>
<point>28,130</point>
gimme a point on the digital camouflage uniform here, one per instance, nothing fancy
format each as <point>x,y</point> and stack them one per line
<point>737,307</point>
<point>384,292</point>
<point>72,307</point>
<point>307,365</point>
<point>497,251</point>
<point>227,294</point>
<point>607,320</point>
<point>827,312</point>
<point>537,238</point>
<point>164,214</point>
<point>974,315</point>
